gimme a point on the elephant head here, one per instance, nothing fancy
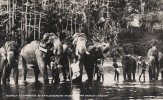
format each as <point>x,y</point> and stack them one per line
<point>12,50</point>
<point>125,61</point>
<point>80,43</point>
<point>53,43</point>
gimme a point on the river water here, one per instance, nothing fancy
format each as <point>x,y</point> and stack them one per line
<point>109,89</point>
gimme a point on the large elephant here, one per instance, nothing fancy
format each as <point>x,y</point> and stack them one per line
<point>8,61</point>
<point>89,63</point>
<point>80,47</point>
<point>36,54</point>
<point>129,65</point>
<point>153,63</point>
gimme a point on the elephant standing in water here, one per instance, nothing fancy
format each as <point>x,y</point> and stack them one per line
<point>153,58</point>
<point>129,65</point>
<point>156,66</point>
<point>81,50</point>
<point>8,61</point>
<point>36,54</point>
<point>160,59</point>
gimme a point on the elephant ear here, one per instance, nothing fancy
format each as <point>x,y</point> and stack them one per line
<point>11,46</point>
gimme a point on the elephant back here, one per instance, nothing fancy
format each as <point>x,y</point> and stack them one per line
<point>28,52</point>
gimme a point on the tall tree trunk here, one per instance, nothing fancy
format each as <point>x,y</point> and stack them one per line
<point>35,26</point>
<point>29,24</point>
<point>39,30</point>
<point>26,20</point>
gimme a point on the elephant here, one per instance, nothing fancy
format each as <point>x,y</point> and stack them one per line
<point>155,66</point>
<point>129,64</point>
<point>87,54</point>
<point>153,69</point>
<point>153,63</point>
<point>8,61</point>
<point>81,50</point>
<point>160,59</point>
<point>37,55</point>
<point>89,63</point>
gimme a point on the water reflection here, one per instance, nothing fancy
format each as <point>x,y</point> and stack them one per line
<point>109,89</point>
<point>94,90</point>
<point>76,93</point>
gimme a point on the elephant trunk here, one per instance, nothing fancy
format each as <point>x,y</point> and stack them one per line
<point>11,57</point>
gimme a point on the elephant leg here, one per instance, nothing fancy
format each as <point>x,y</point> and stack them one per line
<point>36,72</point>
<point>4,75</point>
<point>24,73</point>
<point>16,74</point>
<point>1,72</point>
<point>154,73</point>
<point>134,77</point>
<point>129,76</point>
<point>43,69</point>
<point>79,79</point>
<point>150,73</point>
<point>157,72</point>
<point>89,70</point>
<point>81,71</point>
<point>22,64</point>
<point>57,78</point>
<point>157,69</point>
<point>124,74</point>
<point>162,74</point>
<point>65,72</point>
<point>8,69</point>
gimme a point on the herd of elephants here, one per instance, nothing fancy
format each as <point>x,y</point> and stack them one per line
<point>37,55</point>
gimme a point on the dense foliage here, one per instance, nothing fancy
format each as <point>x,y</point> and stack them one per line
<point>101,20</point>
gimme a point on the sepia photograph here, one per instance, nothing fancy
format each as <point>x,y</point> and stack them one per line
<point>81,49</point>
